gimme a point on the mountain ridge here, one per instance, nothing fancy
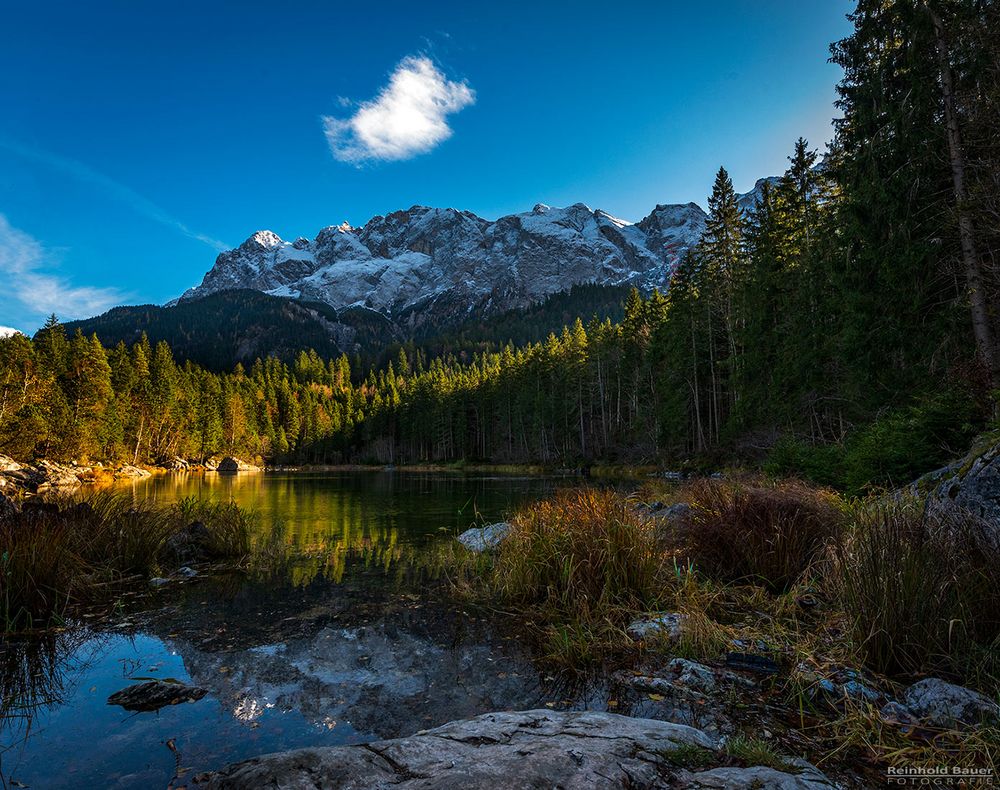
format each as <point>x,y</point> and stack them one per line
<point>405,263</point>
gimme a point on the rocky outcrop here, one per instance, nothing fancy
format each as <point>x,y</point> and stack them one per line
<point>486,538</point>
<point>971,484</point>
<point>536,748</point>
<point>154,695</point>
<point>39,477</point>
<point>230,465</point>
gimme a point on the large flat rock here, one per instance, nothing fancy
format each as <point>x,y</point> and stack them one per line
<point>529,749</point>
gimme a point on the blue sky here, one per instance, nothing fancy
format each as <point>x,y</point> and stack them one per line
<point>136,139</point>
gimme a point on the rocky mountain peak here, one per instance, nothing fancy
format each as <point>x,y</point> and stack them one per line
<point>409,261</point>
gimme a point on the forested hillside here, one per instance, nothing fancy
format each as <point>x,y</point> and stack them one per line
<point>844,328</point>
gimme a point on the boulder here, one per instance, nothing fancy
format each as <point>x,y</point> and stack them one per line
<point>666,625</point>
<point>799,776</point>
<point>51,475</point>
<point>230,465</point>
<point>155,694</point>
<point>129,472</point>
<point>176,464</point>
<point>485,538</point>
<point>191,544</point>
<point>8,464</point>
<point>971,484</point>
<point>535,748</point>
<point>942,704</point>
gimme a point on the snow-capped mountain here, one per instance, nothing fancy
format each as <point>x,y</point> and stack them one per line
<point>410,262</point>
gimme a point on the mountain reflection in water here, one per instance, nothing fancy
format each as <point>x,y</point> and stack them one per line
<point>349,639</point>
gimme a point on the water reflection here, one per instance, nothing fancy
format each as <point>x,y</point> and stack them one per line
<point>346,639</point>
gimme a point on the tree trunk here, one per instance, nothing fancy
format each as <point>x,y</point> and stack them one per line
<point>970,257</point>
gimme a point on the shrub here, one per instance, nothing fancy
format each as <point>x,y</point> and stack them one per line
<point>760,532</point>
<point>922,590</point>
<point>822,464</point>
<point>903,444</point>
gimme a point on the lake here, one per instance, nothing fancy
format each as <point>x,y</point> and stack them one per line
<point>355,639</point>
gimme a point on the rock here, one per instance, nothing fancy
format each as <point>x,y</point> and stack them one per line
<point>36,507</point>
<point>211,465</point>
<point>900,715</point>
<point>176,464</point>
<point>693,675</point>
<point>942,704</point>
<point>155,694</point>
<point>668,625</point>
<point>129,472</point>
<point>52,475</point>
<point>536,748</point>
<point>485,538</point>
<point>799,776</point>
<point>971,484</point>
<point>230,465</point>
<point>675,511</point>
<point>158,581</point>
<point>191,544</point>
<point>857,690</point>
<point>8,464</point>
<point>186,572</point>
<point>686,677</point>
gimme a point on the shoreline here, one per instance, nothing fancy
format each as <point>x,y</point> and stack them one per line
<point>45,476</point>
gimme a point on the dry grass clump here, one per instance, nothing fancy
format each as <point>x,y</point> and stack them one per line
<point>922,590</point>
<point>585,552</point>
<point>758,532</point>
<point>578,566</point>
<point>53,555</point>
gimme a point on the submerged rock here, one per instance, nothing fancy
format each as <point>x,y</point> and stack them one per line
<point>668,625</point>
<point>155,694</point>
<point>943,704</point>
<point>535,748</point>
<point>485,538</point>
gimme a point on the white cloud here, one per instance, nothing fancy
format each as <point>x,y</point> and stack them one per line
<point>7,331</point>
<point>23,264</point>
<point>408,117</point>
